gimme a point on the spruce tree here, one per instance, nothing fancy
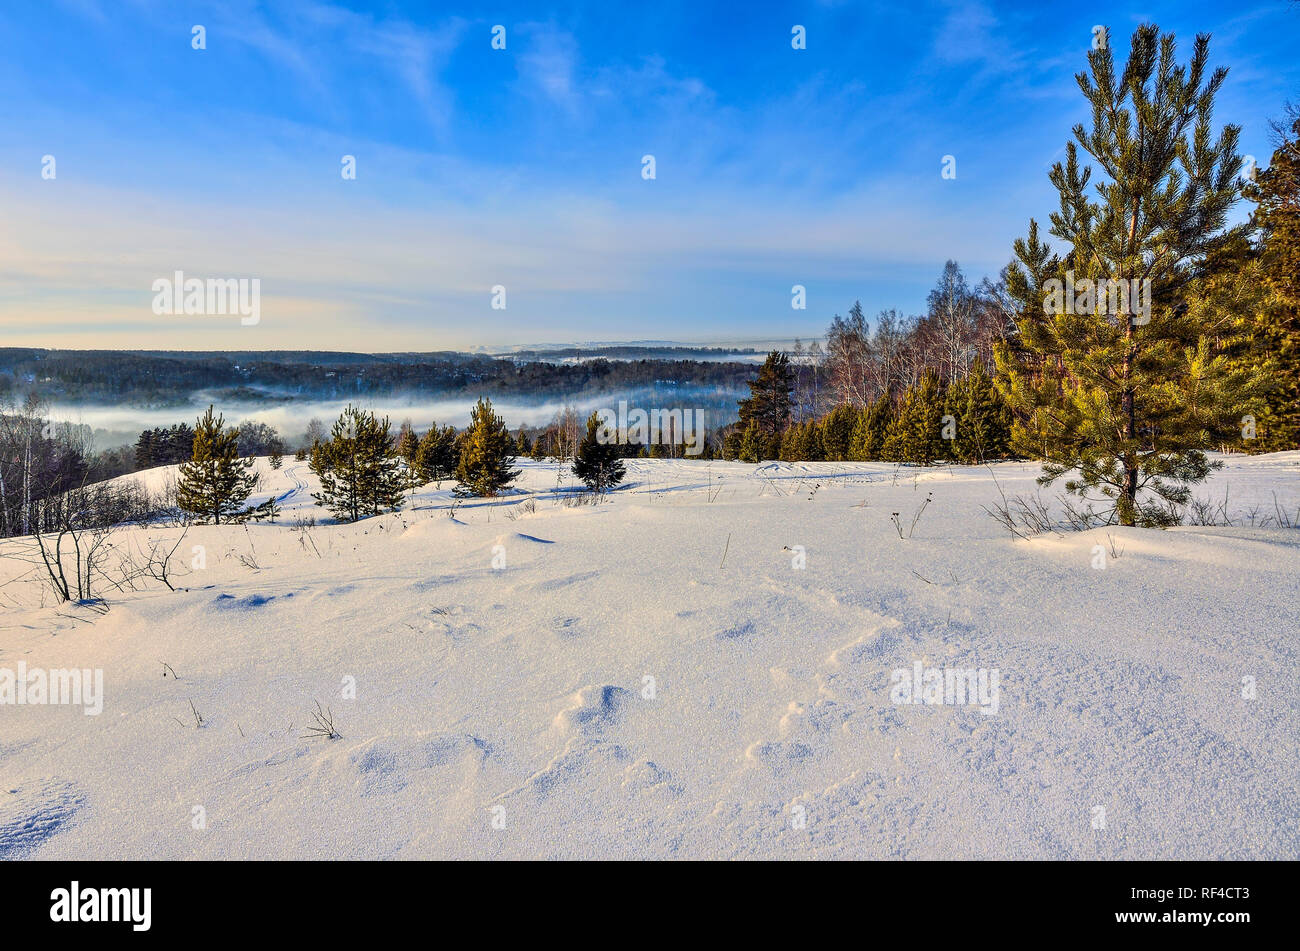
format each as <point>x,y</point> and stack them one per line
<point>1122,397</point>
<point>599,462</point>
<point>216,482</point>
<point>486,454</point>
<point>358,473</point>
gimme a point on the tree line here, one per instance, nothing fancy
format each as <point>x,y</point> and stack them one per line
<point>1156,334</point>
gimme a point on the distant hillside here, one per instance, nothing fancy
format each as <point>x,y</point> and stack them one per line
<point>165,379</point>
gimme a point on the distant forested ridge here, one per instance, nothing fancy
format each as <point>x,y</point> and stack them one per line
<point>161,379</point>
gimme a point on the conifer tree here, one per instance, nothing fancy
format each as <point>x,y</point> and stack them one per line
<point>751,443</point>
<point>486,454</point>
<point>408,446</point>
<point>809,442</point>
<point>216,482</point>
<point>1276,193</point>
<point>276,459</point>
<point>1128,395</point>
<point>769,402</point>
<point>915,432</point>
<point>144,450</point>
<point>982,425</point>
<point>358,473</point>
<point>790,444</point>
<point>599,462</point>
<point>837,432</point>
<point>869,434</point>
<point>436,456</point>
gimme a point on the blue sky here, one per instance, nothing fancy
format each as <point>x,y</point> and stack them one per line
<point>522,167</point>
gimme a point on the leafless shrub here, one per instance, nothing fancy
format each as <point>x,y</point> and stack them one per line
<point>322,725</point>
<point>1207,512</point>
<point>1284,518</point>
<point>1115,551</point>
<point>1082,517</point>
<point>1024,516</point>
<point>153,563</point>
<point>526,507</point>
<point>74,560</point>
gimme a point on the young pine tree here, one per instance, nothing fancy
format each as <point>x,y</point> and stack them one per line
<point>216,482</point>
<point>599,460</point>
<point>751,444</point>
<point>408,446</point>
<point>837,432</point>
<point>358,473</point>
<point>1127,396</point>
<point>486,454</point>
<point>435,458</point>
<point>915,432</point>
<point>869,434</point>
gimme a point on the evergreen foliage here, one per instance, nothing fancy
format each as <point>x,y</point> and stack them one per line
<point>216,482</point>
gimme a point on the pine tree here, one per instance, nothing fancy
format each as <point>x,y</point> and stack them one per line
<point>358,473</point>
<point>790,444</point>
<point>869,435</point>
<point>144,450</point>
<point>915,432</point>
<point>599,462</point>
<point>981,421</point>
<point>1276,193</point>
<point>809,442</point>
<point>436,456</point>
<point>955,397</point>
<point>751,444</point>
<point>216,482</point>
<point>1128,395</point>
<point>276,459</point>
<point>769,402</point>
<point>408,446</point>
<point>180,443</point>
<point>837,432</point>
<point>486,454</point>
<point>522,444</point>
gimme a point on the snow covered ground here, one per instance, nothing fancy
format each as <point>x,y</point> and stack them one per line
<point>658,676</point>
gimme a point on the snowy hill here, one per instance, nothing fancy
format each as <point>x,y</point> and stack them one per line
<point>701,666</point>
